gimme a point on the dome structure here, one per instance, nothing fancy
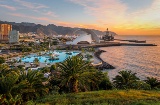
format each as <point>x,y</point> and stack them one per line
<point>88,37</point>
<point>81,38</point>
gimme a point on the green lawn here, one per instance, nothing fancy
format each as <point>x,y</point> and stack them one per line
<point>108,97</point>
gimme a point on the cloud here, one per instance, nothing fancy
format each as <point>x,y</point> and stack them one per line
<point>146,18</point>
<point>46,19</point>
<point>59,23</point>
<point>50,13</point>
<point>30,5</point>
<point>8,7</point>
<point>36,7</point>
<point>107,11</point>
<point>31,17</point>
<point>114,14</point>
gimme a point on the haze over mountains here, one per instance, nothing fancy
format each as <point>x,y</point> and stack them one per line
<point>51,29</point>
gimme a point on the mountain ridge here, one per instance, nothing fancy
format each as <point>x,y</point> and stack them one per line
<point>50,29</point>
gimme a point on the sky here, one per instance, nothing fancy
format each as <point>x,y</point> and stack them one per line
<point>124,17</point>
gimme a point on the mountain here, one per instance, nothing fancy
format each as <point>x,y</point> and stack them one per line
<point>51,29</point>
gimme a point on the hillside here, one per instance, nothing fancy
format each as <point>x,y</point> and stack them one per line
<point>108,97</point>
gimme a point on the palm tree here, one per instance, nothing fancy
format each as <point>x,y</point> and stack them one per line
<point>50,55</point>
<point>125,79</point>
<point>17,84</point>
<point>36,61</point>
<point>83,50</point>
<point>6,84</point>
<point>17,100</point>
<point>45,61</point>
<point>4,69</point>
<point>34,84</point>
<point>2,60</point>
<point>77,74</point>
<point>9,87</point>
<point>153,82</point>
<point>53,67</point>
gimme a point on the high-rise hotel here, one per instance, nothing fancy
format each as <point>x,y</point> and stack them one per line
<point>4,32</point>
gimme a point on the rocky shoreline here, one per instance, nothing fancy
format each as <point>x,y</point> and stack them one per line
<point>104,64</point>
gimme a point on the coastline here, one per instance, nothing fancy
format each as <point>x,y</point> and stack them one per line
<point>104,64</point>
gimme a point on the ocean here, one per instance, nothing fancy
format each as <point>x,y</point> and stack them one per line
<point>143,60</point>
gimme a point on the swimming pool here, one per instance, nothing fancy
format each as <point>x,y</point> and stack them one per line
<point>45,57</point>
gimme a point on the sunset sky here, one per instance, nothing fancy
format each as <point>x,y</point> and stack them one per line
<point>125,17</point>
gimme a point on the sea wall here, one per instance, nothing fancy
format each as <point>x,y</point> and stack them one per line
<point>104,64</point>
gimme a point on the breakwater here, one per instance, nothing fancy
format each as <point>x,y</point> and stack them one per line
<point>136,41</point>
<point>121,44</point>
<point>104,64</point>
<point>107,44</point>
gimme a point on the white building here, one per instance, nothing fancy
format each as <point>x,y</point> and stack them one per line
<point>81,38</point>
<point>87,38</point>
<point>14,36</point>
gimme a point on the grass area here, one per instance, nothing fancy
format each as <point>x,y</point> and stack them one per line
<point>108,97</point>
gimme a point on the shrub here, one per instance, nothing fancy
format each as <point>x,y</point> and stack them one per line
<point>153,82</point>
<point>2,60</point>
<point>105,84</point>
<point>125,80</point>
<point>140,85</point>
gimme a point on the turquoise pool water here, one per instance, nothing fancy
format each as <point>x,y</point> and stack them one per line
<point>45,57</point>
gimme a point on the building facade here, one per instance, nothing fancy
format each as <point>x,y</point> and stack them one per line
<point>4,32</point>
<point>14,36</point>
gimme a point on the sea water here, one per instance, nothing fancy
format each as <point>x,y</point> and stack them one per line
<point>143,60</point>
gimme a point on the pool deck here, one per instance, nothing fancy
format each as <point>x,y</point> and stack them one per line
<point>41,65</point>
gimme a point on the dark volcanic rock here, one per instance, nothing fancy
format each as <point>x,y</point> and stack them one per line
<point>104,65</point>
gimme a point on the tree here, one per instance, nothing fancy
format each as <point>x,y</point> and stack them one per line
<point>45,61</point>
<point>31,44</point>
<point>4,70</point>
<point>36,61</point>
<point>33,84</point>
<point>54,42</point>
<point>105,83</point>
<point>88,56</point>
<point>9,88</point>
<point>153,82</point>
<point>17,84</point>
<point>83,50</point>
<point>77,74</point>
<point>45,70</point>
<point>2,60</point>
<point>125,80</point>
<point>7,83</point>
<point>53,67</point>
